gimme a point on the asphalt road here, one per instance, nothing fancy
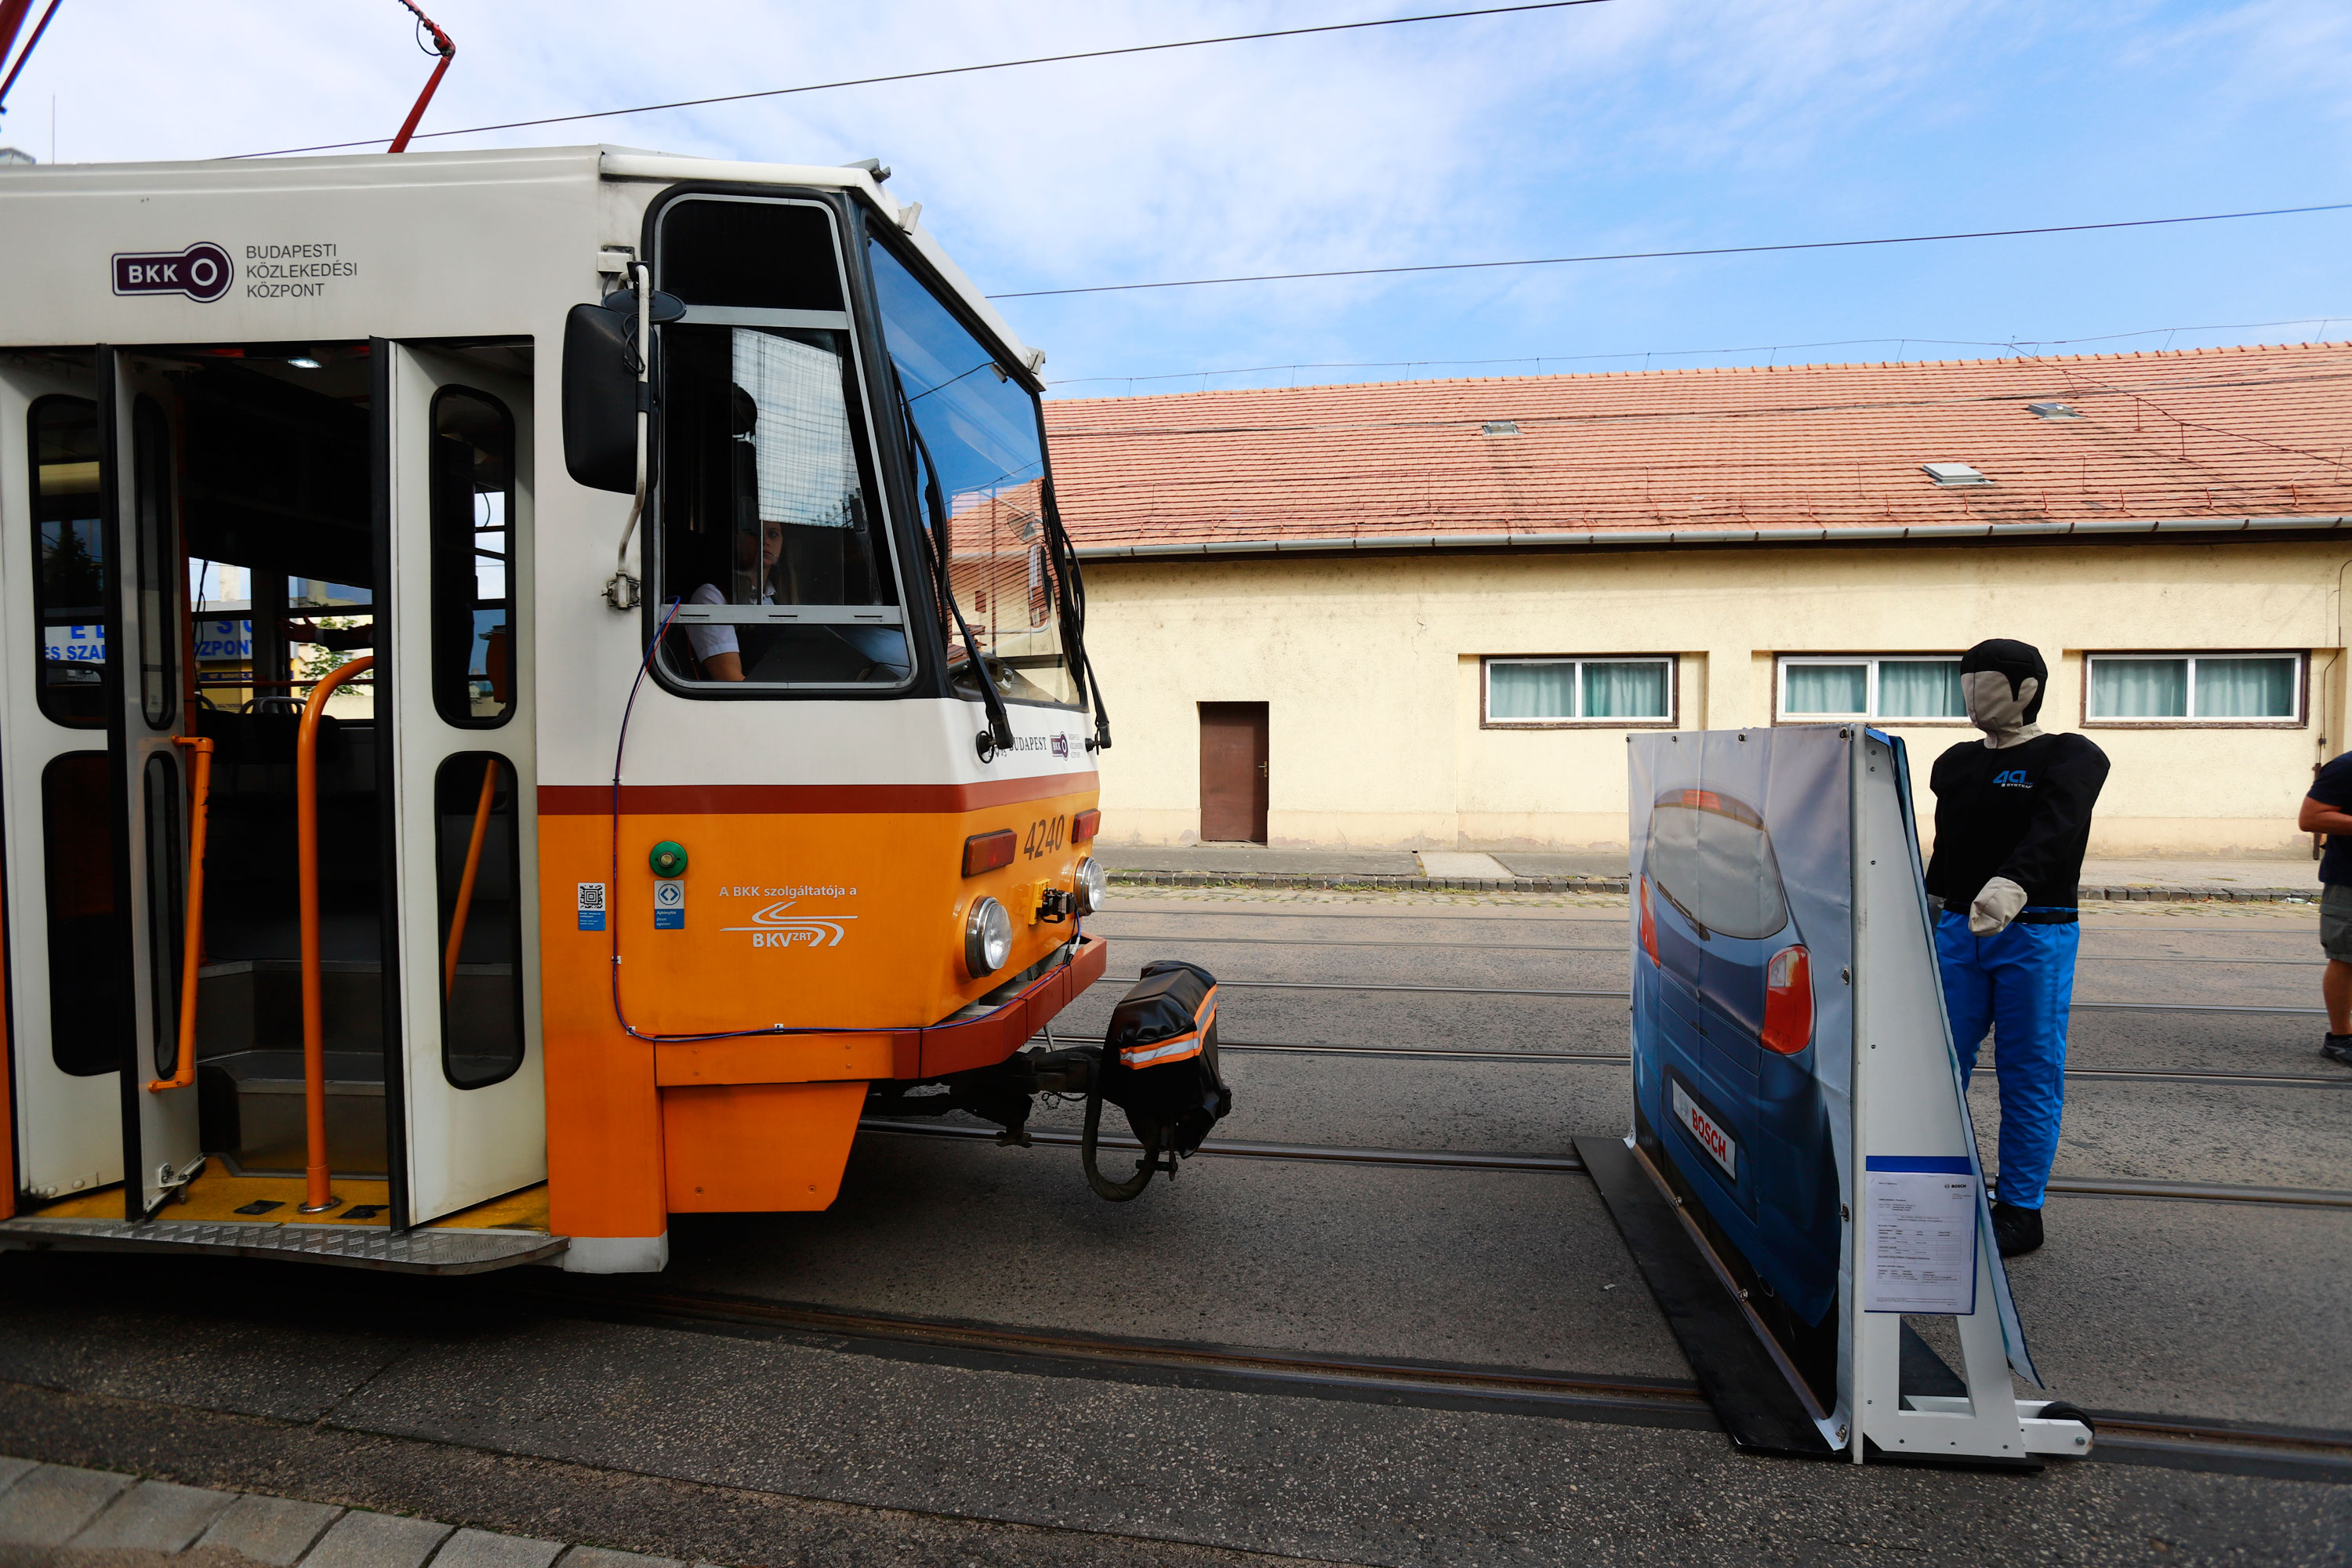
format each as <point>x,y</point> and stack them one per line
<point>535,1403</point>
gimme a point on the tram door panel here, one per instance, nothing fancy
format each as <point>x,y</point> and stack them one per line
<point>67,948</point>
<point>460,476</point>
<point>150,708</point>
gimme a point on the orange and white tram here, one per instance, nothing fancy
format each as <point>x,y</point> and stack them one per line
<point>535,680</point>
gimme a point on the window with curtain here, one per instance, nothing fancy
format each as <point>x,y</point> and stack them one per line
<point>2195,688</point>
<point>1566,690</point>
<point>1893,687</point>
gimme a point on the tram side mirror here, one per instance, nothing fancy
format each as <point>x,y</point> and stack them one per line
<point>600,399</point>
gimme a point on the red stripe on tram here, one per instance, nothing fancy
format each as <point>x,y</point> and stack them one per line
<point>806,800</point>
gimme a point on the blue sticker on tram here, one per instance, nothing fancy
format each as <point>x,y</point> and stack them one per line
<point>592,906</point>
<point>669,903</point>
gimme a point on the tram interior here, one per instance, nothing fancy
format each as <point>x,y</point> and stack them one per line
<point>271,476</point>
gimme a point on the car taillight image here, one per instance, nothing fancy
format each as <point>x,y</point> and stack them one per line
<point>1649,925</point>
<point>1788,1002</point>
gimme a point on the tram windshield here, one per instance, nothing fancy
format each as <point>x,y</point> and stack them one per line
<point>981,426</point>
<point>772,544</point>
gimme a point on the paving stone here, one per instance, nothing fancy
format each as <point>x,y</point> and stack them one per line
<point>364,1539</point>
<point>157,1515</point>
<point>272,1530</point>
<point>597,1557</point>
<point>480,1549</point>
<point>50,1502</point>
<point>10,1469</point>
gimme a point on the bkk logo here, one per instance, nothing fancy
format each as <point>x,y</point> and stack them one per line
<point>776,926</point>
<point>203,272</point>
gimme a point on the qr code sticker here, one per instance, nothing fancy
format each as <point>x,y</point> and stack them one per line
<point>592,906</point>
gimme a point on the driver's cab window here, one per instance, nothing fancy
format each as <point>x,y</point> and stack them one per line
<point>773,546</point>
<point>979,454</point>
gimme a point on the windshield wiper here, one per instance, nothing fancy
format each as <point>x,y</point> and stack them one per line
<point>999,734</point>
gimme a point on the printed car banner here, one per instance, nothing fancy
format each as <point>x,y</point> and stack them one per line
<point>1742,890</point>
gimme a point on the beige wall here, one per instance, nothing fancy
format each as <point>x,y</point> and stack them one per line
<point>1370,669</point>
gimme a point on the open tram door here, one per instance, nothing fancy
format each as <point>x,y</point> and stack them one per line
<point>474,1114</point>
<point>92,799</point>
<point>197,539</point>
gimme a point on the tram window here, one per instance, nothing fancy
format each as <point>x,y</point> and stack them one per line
<point>984,429</point>
<point>157,532</point>
<point>473,552</point>
<point>91,1021</point>
<point>71,607</point>
<point>479,869</point>
<point>166,906</point>
<point>761,255</point>
<point>769,537</point>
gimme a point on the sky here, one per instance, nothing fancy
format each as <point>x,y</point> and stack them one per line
<point>1625,125</point>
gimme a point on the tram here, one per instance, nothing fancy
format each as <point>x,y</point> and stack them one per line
<point>538,684</point>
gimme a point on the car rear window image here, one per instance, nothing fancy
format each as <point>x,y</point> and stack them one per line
<point>1712,857</point>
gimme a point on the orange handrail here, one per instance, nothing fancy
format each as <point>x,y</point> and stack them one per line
<point>191,937</point>
<point>466,882</point>
<point>317,1198</point>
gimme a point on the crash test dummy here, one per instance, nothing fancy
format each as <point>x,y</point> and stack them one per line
<point>2013,819</point>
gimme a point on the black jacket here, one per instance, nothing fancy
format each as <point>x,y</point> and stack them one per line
<point>2022,812</point>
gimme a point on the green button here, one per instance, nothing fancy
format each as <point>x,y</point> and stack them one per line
<point>668,859</point>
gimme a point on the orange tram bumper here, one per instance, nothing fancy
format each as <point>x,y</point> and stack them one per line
<point>755,1123</point>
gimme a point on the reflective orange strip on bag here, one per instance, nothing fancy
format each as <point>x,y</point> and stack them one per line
<point>1178,1048</point>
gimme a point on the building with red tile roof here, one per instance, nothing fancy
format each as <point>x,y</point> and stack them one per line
<point>1377,562</point>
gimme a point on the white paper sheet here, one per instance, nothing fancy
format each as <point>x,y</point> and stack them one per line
<point>1923,1235</point>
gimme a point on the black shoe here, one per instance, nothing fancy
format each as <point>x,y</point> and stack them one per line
<point>2015,1230</point>
<point>2338,1049</point>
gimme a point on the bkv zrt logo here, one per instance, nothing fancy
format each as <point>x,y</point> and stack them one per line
<point>776,926</point>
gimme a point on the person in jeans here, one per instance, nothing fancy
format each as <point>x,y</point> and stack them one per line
<point>2012,820</point>
<point>2328,809</point>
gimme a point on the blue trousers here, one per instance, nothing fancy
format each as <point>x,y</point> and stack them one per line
<point>2017,984</point>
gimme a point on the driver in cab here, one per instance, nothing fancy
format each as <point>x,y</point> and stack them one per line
<point>716,647</point>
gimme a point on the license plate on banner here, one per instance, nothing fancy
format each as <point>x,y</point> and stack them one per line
<point>1719,1145</point>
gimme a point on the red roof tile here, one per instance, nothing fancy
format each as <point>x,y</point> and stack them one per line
<point>2207,432</point>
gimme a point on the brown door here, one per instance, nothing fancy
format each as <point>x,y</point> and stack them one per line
<point>1233,771</point>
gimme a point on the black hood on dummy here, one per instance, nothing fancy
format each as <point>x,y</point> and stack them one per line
<point>2016,660</point>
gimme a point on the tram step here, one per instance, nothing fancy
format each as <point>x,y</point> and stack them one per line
<point>251,1104</point>
<point>423,1251</point>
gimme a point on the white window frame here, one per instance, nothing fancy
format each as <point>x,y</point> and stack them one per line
<point>1673,719</point>
<point>1783,663</point>
<point>2192,720</point>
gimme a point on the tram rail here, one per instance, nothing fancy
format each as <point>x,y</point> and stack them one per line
<point>1604,1058</point>
<point>1568,1163</point>
<point>1575,993</point>
<point>2191,1443</point>
<point>1618,948</point>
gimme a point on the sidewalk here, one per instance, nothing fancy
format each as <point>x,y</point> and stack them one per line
<point>1604,871</point>
<point>56,1515</point>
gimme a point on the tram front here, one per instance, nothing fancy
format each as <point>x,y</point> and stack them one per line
<point>856,783</point>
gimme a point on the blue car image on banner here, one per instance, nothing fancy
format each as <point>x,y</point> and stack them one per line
<point>1742,1017</point>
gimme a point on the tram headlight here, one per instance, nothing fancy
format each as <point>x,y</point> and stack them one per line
<point>987,938</point>
<point>1093,885</point>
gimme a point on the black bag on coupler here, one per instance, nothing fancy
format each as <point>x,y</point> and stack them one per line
<point>1160,1067</point>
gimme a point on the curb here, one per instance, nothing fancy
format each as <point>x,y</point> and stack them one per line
<point>1358,882</point>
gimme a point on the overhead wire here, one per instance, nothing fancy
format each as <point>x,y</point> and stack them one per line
<point>952,71</point>
<point>1671,255</point>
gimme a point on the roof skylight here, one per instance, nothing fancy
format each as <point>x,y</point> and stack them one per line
<point>2054,411</point>
<point>1499,427</point>
<point>1953,474</point>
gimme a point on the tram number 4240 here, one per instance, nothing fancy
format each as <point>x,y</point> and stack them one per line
<point>1045,836</point>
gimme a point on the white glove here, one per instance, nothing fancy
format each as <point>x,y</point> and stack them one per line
<point>1996,905</point>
